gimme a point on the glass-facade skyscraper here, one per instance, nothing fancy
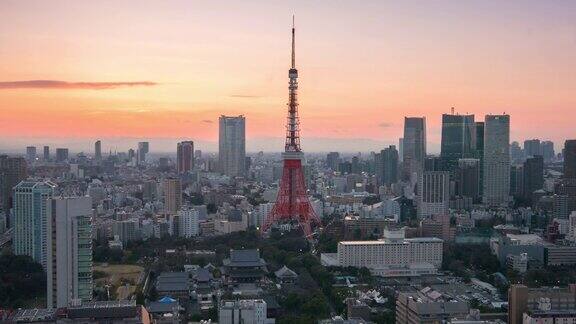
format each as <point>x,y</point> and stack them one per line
<point>458,138</point>
<point>30,219</point>
<point>232,145</point>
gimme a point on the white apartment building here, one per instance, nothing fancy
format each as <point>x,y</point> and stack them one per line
<point>394,255</point>
<point>69,253</point>
<point>188,222</point>
<point>242,311</point>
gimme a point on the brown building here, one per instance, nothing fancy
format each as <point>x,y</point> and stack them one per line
<point>12,171</point>
<point>172,195</point>
<point>356,227</point>
<point>522,299</point>
<point>438,226</point>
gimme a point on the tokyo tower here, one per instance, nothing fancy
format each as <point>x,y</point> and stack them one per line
<point>292,203</point>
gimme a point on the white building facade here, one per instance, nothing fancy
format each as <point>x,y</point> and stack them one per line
<point>69,258</point>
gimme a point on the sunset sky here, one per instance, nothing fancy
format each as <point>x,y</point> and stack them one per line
<point>123,71</point>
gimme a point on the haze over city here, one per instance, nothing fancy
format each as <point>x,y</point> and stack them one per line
<point>76,71</point>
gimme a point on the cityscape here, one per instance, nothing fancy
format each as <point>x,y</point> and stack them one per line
<point>238,216</point>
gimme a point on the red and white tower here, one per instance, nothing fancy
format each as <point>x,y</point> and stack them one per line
<point>292,203</point>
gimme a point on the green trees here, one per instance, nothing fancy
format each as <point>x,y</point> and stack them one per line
<point>22,281</point>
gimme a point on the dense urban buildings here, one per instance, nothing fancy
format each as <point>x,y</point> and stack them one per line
<point>232,145</point>
<point>456,222</point>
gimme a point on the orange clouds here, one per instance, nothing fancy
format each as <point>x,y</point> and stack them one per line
<point>55,84</point>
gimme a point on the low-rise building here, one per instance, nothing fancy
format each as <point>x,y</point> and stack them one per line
<point>394,255</point>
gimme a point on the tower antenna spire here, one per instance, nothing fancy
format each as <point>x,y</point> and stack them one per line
<point>293,44</point>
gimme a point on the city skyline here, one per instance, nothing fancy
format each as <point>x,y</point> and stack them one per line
<point>160,77</point>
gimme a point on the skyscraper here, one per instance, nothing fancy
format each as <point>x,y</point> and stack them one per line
<point>533,175</point>
<point>389,168</point>
<point>433,193</point>
<point>98,150</point>
<point>143,149</point>
<point>232,145</point>
<point>332,160</point>
<point>414,145</point>
<point>532,147</point>
<point>570,159</point>
<point>30,219</point>
<point>46,153</point>
<point>496,175</point>
<point>31,153</point>
<point>547,149</point>
<point>172,195</point>
<point>69,251</point>
<point>12,171</point>
<point>468,178</point>
<point>185,156</point>
<point>61,155</point>
<point>458,138</point>
<point>480,150</point>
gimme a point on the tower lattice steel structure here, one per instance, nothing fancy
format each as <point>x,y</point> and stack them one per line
<point>292,203</point>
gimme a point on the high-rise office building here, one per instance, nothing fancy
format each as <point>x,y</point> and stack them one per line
<point>31,153</point>
<point>458,138</point>
<point>480,151</point>
<point>533,175</point>
<point>496,175</point>
<point>232,145</point>
<point>401,149</point>
<point>31,218</point>
<point>61,155</point>
<point>46,153</point>
<point>516,153</point>
<point>143,149</point>
<point>433,193</point>
<point>547,149</point>
<point>172,188</point>
<point>12,171</point>
<point>332,160</point>
<point>414,145</point>
<point>388,159</point>
<point>532,147</point>
<point>69,251</point>
<point>570,159</point>
<point>468,178</point>
<point>517,181</point>
<point>185,156</point>
<point>98,150</point>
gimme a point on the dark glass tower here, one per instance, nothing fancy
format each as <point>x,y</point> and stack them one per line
<point>458,138</point>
